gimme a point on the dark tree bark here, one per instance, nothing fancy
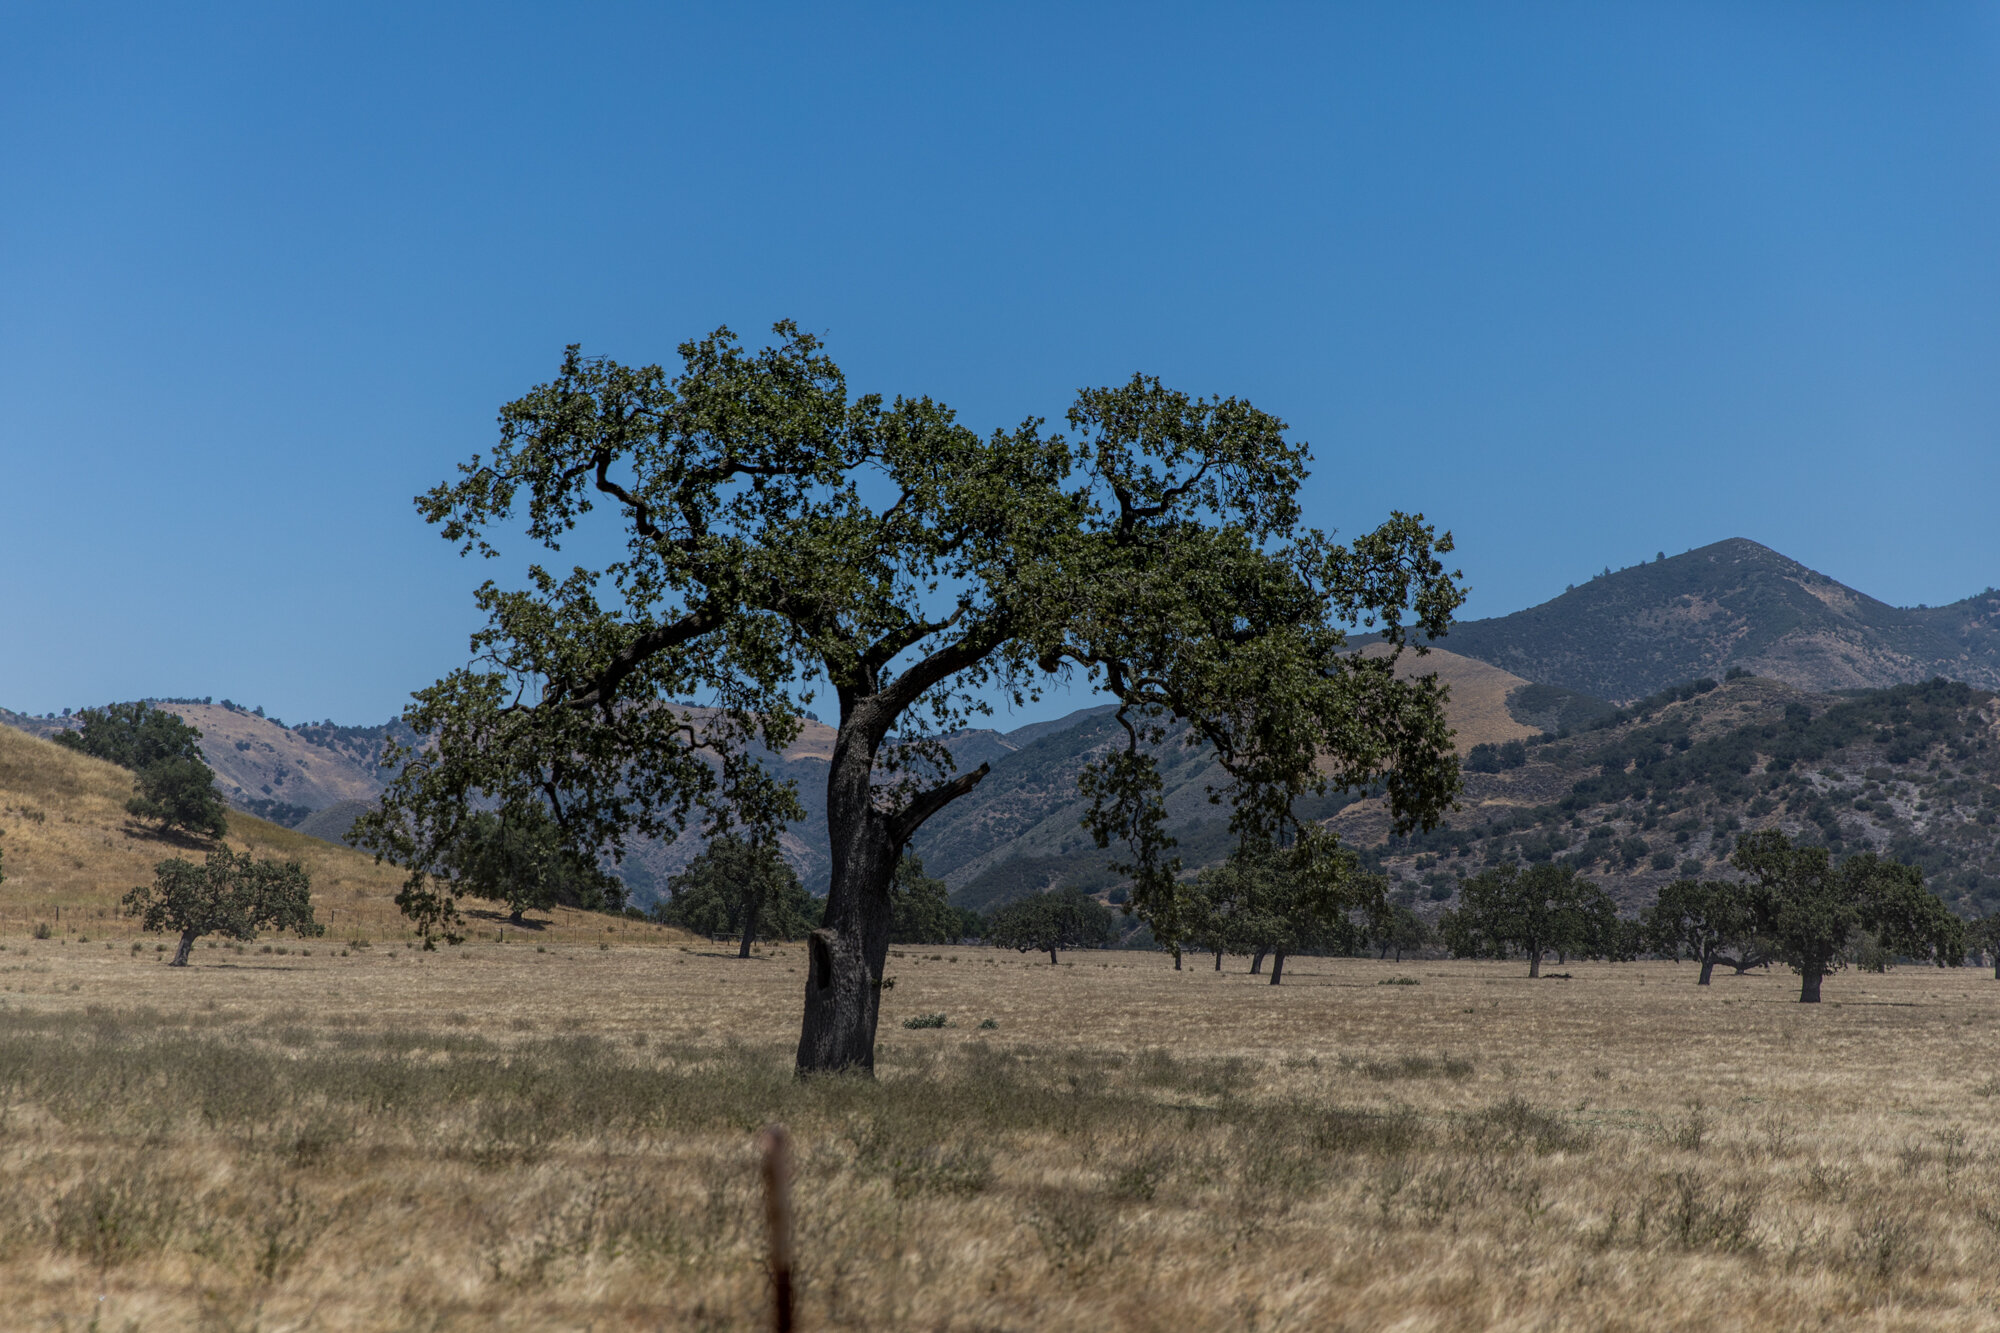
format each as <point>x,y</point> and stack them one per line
<point>186,947</point>
<point>1707,968</point>
<point>1052,955</point>
<point>1809,987</point>
<point>749,929</point>
<point>1257,961</point>
<point>847,952</point>
<point>844,978</point>
<point>1218,963</point>
<point>1277,965</point>
<point>1534,963</point>
<point>514,917</point>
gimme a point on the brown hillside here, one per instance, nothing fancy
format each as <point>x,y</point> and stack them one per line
<point>1478,704</point>
<point>70,852</point>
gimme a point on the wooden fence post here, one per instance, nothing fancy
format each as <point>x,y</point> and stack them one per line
<point>777,1168</point>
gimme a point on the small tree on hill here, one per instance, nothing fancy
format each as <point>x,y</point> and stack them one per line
<point>180,794</point>
<point>1045,922</point>
<point>741,887</point>
<point>1703,919</point>
<point>519,857</point>
<point>228,895</point>
<point>176,786</point>
<point>1545,909</point>
<point>1811,908</point>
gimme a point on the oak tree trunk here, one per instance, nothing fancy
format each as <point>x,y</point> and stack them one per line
<point>749,930</point>
<point>845,955</point>
<point>186,947</point>
<point>1809,986</point>
<point>1257,962</point>
<point>1707,968</point>
<point>1534,963</point>
<point>1277,966</point>
<point>1218,963</point>
<point>1052,955</point>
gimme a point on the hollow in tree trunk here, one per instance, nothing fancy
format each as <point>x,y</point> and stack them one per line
<point>1277,965</point>
<point>185,948</point>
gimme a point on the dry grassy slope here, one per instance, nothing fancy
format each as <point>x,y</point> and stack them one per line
<point>71,852</point>
<point>1478,703</point>
<point>253,756</point>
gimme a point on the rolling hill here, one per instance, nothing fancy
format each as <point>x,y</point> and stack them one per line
<point>1661,789</point>
<point>71,852</point>
<point>1626,634</point>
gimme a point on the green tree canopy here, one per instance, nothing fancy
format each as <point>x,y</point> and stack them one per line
<point>1066,918</point>
<point>922,913</point>
<point>176,786</point>
<point>227,895</point>
<point>1265,900</point>
<point>1706,920</point>
<point>739,887</point>
<point>1810,908</point>
<point>519,857</point>
<point>1547,908</point>
<point>776,538</point>
<point>1984,935</point>
<point>1395,926</point>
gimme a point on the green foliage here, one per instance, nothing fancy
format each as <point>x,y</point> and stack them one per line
<point>134,735</point>
<point>1701,920</point>
<point>278,812</point>
<point>1157,552</point>
<point>1810,908</point>
<point>1393,927</point>
<point>519,857</point>
<point>229,894</point>
<point>180,794</point>
<point>1281,900</point>
<point>176,788</point>
<point>1048,922</point>
<point>737,887</point>
<point>920,913</point>
<point>1546,908</point>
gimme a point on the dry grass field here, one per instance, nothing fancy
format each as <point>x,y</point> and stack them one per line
<point>558,1136</point>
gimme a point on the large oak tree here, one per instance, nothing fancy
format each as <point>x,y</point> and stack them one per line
<point>776,537</point>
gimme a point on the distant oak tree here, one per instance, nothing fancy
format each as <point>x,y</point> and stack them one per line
<point>1811,908</point>
<point>227,895</point>
<point>776,538</point>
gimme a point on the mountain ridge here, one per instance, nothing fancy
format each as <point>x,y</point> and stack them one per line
<point>1733,603</point>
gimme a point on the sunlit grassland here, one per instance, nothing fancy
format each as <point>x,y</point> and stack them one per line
<point>528,1135</point>
<point>70,853</point>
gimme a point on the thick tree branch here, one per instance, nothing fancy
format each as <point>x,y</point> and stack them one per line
<point>925,804</point>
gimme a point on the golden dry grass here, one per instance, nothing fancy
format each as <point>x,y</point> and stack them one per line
<point>1478,703</point>
<point>501,1137</point>
<point>70,852</point>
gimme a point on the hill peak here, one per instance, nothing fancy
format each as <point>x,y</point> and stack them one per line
<point>1733,603</point>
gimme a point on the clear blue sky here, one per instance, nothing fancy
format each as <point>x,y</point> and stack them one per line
<point>1582,282</point>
